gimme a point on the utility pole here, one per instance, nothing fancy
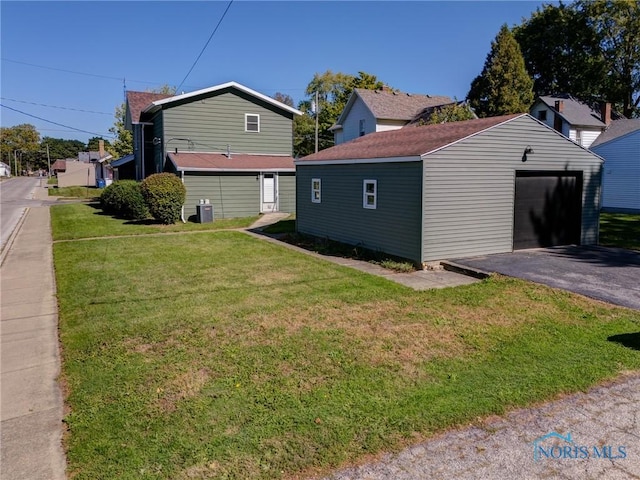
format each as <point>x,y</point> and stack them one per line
<point>317,111</point>
<point>48,162</point>
<point>15,162</point>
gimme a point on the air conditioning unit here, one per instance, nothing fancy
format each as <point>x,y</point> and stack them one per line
<point>204,213</point>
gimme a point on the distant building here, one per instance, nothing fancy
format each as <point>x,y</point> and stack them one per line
<point>369,111</point>
<point>575,119</point>
<point>5,170</point>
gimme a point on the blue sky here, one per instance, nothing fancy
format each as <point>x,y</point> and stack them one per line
<point>419,47</point>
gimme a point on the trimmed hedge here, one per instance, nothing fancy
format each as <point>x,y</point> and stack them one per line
<point>124,198</point>
<point>165,194</point>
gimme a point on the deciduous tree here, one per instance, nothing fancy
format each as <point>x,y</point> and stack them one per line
<point>334,90</point>
<point>60,148</point>
<point>283,98</point>
<point>22,141</point>
<point>617,25</point>
<point>454,112</point>
<point>562,52</point>
<point>589,49</point>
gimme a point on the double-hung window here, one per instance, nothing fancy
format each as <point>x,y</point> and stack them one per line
<point>370,194</point>
<point>316,190</point>
<point>251,122</point>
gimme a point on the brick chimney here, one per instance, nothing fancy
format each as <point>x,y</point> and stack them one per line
<point>605,113</point>
<point>559,106</point>
<point>101,148</point>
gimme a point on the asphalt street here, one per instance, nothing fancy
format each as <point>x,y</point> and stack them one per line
<point>16,194</point>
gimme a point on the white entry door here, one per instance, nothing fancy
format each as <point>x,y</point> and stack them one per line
<point>269,193</point>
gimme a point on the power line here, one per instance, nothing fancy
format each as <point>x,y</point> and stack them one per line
<point>62,70</point>
<point>56,123</point>
<point>205,45</point>
<point>75,72</point>
<point>55,106</point>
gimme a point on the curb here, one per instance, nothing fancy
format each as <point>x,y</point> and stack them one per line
<point>464,270</point>
<point>12,237</point>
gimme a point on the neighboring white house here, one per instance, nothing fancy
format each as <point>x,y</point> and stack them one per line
<point>619,145</point>
<point>5,170</point>
<point>369,111</point>
<point>574,119</point>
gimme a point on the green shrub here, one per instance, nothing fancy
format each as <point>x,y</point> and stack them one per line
<point>124,198</point>
<point>165,194</point>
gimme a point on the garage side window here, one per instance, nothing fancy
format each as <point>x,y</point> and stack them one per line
<point>316,190</point>
<point>251,122</point>
<point>370,194</point>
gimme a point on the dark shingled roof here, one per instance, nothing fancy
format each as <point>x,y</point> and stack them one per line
<point>185,161</point>
<point>138,101</point>
<point>577,112</point>
<point>407,142</point>
<point>398,106</point>
<point>616,129</point>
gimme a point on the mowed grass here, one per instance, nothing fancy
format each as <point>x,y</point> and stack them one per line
<point>75,221</point>
<point>75,192</point>
<point>219,355</point>
<point>620,230</point>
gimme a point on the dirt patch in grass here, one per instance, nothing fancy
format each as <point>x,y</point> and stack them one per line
<point>187,385</point>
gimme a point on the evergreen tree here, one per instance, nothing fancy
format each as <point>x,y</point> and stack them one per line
<point>504,86</point>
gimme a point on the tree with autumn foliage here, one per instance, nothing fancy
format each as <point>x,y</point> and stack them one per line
<point>334,90</point>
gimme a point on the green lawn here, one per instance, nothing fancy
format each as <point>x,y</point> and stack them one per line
<point>620,230</point>
<point>76,221</point>
<point>219,355</point>
<point>75,192</point>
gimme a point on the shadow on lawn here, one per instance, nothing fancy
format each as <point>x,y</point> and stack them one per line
<point>284,231</point>
<point>146,221</point>
<point>620,230</point>
<point>629,340</point>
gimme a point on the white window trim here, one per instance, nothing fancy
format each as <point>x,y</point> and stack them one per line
<point>319,190</point>
<point>365,195</point>
<point>246,123</point>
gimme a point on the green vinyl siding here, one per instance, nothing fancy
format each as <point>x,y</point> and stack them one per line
<point>213,123</point>
<point>287,192</point>
<point>232,195</point>
<point>393,227</point>
<point>469,187</point>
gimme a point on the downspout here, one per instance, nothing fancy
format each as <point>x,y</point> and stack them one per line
<point>182,210</point>
<point>142,151</point>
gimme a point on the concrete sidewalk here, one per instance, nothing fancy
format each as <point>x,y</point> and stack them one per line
<point>418,280</point>
<point>31,400</point>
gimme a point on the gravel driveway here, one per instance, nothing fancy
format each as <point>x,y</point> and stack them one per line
<point>593,435</point>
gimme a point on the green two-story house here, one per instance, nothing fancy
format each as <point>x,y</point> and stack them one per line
<point>230,145</point>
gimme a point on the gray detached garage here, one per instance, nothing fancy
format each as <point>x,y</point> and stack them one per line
<point>477,187</point>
